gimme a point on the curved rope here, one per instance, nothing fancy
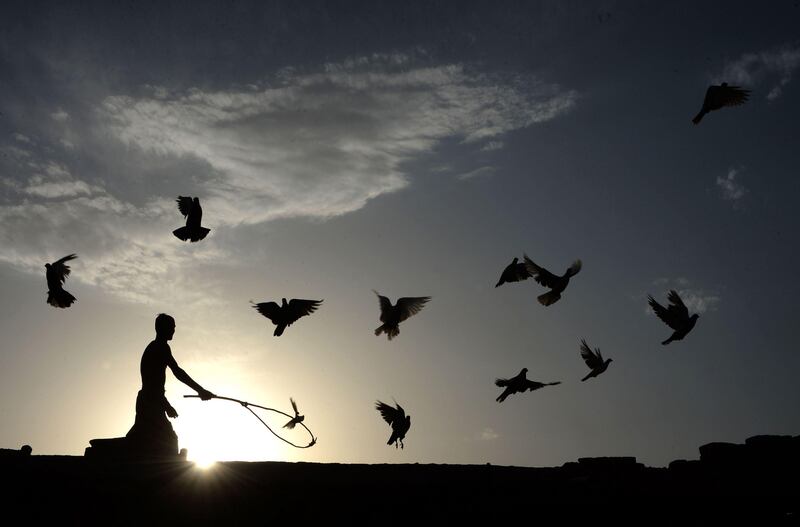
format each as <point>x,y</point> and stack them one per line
<point>248,405</point>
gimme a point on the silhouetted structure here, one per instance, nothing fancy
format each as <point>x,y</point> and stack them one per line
<point>730,484</point>
<point>676,316</point>
<point>286,314</point>
<point>514,272</point>
<point>519,384</point>
<point>191,210</point>
<point>718,97</point>
<point>593,359</point>
<point>392,315</point>
<point>297,417</point>
<point>397,419</point>
<point>57,272</point>
<point>557,284</point>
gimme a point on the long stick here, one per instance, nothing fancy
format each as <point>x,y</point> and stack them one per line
<point>248,405</point>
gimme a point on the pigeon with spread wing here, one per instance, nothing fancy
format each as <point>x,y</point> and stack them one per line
<point>557,284</point>
<point>57,272</point>
<point>519,384</point>
<point>718,97</point>
<point>297,417</point>
<point>286,314</point>
<point>397,419</point>
<point>514,272</point>
<point>392,315</point>
<point>191,210</point>
<point>676,316</point>
<point>593,359</point>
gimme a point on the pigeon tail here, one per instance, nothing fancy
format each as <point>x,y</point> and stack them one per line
<point>391,331</point>
<point>590,374</point>
<point>60,298</point>
<point>498,284</point>
<point>548,298</point>
<point>699,117</point>
<point>279,330</point>
<point>670,339</point>
<point>189,234</point>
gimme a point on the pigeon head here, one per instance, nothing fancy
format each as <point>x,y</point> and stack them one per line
<point>196,200</point>
<point>695,317</point>
<point>515,260</point>
<point>524,370</point>
<point>283,302</point>
<point>47,266</point>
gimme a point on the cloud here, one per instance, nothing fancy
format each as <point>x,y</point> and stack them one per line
<point>312,144</point>
<point>731,189</point>
<point>478,172</point>
<point>488,435</point>
<point>60,115</point>
<point>492,145</point>
<point>776,66</point>
<point>696,300</point>
<point>322,144</point>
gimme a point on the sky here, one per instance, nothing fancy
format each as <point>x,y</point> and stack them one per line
<point>413,149</point>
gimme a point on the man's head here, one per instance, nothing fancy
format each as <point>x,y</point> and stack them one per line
<point>165,326</point>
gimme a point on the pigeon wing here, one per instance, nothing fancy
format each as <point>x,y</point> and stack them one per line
<point>677,306</point>
<point>591,360</point>
<point>184,205</point>
<point>299,308</point>
<point>271,310</point>
<point>411,305</point>
<point>733,95</point>
<point>667,316</point>
<point>540,274</point>
<point>388,413</point>
<point>386,306</point>
<point>60,269</point>
<point>294,406</point>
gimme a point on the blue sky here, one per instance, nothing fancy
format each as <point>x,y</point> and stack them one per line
<point>415,150</point>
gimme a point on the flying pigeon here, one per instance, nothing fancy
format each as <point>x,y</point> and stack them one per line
<point>297,417</point>
<point>392,315</point>
<point>397,419</point>
<point>675,316</point>
<point>720,96</point>
<point>514,272</point>
<point>57,272</point>
<point>519,384</point>
<point>286,314</point>
<point>593,359</point>
<point>557,284</point>
<point>191,210</point>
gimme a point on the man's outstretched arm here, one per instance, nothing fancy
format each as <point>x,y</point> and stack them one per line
<point>182,376</point>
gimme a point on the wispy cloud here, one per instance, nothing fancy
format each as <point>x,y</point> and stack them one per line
<point>304,143</point>
<point>697,300</point>
<point>492,145</point>
<point>731,189</point>
<point>322,144</point>
<point>774,66</point>
<point>488,434</point>
<point>478,172</point>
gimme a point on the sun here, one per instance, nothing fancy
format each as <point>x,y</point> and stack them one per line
<point>220,431</point>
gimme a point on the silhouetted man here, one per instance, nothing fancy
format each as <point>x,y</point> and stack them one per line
<point>152,433</point>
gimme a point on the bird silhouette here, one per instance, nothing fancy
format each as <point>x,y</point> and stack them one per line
<point>297,417</point>
<point>286,314</point>
<point>191,210</point>
<point>557,284</point>
<point>392,315</point>
<point>676,316</point>
<point>57,272</point>
<point>514,272</point>
<point>397,419</point>
<point>593,359</point>
<point>519,384</point>
<point>720,96</point>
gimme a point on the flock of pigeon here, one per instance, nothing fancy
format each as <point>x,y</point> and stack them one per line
<point>675,315</point>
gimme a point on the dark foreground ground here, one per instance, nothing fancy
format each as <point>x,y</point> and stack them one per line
<point>755,483</point>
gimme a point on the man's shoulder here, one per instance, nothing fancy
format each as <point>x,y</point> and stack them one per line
<point>158,346</point>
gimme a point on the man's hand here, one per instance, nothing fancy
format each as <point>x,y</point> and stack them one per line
<point>171,412</point>
<point>205,394</point>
